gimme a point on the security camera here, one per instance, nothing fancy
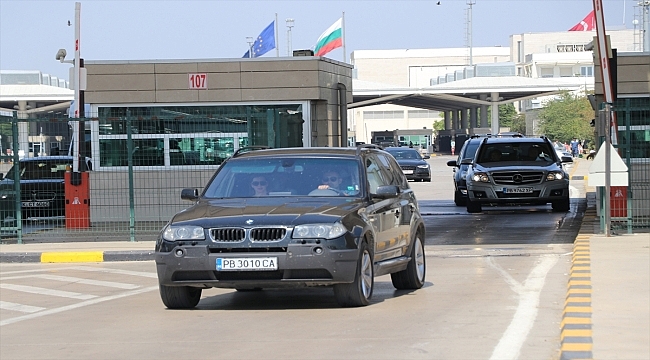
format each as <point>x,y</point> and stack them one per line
<point>60,55</point>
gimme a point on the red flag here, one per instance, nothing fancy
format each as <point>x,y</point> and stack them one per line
<point>587,24</point>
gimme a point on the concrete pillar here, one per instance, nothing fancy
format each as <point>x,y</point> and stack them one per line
<point>463,119</point>
<point>454,119</point>
<point>447,120</point>
<point>23,129</point>
<point>484,119</point>
<point>473,117</point>
<point>495,113</point>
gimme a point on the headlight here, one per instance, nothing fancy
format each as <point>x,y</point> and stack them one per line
<point>554,175</point>
<point>323,231</point>
<point>479,176</point>
<point>179,233</point>
<point>425,166</point>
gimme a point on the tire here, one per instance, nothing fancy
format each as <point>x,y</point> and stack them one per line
<point>427,179</point>
<point>459,199</point>
<point>180,297</point>
<point>358,292</point>
<point>413,276</point>
<point>248,289</point>
<point>473,207</point>
<point>561,205</point>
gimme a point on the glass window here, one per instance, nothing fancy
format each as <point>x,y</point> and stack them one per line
<point>285,176</point>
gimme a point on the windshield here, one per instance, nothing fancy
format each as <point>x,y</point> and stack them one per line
<point>405,154</point>
<point>285,176</point>
<point>539,153</point>
<point>45,169</point>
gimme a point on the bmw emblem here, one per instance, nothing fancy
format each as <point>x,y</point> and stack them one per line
<point>249,222</point>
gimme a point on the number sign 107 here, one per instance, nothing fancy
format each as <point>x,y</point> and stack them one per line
<point>198,81</point>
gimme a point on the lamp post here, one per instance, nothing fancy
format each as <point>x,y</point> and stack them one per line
<point>289,26</point>
<point>250,41</point>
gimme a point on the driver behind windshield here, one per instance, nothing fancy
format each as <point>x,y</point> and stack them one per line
<point>330,179</point>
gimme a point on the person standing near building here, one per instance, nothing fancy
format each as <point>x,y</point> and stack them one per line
<point>574,147</point>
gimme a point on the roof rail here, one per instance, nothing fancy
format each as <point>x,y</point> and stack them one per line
<point>368,146</point>
<point>245,149</point>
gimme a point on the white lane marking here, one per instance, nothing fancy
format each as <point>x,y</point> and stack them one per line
<point>49,292</point>
<point>117,271</point>
<point>5,305</point>
<point>32,271</point>
<point>522,322</point>
<point>77,305</point>
<point>87,281</point>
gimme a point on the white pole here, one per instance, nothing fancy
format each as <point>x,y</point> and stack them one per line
<point>277,40</point>
<point>343,36</point>
<point>77,83</point>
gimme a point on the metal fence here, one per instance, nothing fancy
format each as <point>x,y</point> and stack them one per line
<point>140,162</point>
<point>630,206</point>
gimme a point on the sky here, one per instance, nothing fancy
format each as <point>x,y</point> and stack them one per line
<point>31,32</point>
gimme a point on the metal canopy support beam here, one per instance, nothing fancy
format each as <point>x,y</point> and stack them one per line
<point>376,101</point>
<point>473,114</point>
<point>484,122</point>
<point>447,120</point>
<point>463,119</point>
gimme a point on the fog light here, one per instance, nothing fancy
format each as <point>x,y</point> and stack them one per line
<point>179,252</point>
<point>318,250</point>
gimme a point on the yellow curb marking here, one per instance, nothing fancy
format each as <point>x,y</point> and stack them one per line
<point>577,309</point>
<point>579,291</point>
<point>576,347</point>
<point>65,257</point>
<point>576,299</point>
<point>575,332</point>
<point>575,321</point>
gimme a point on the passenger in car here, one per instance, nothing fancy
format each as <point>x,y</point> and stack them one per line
<point>259,185</point>
<point>331,179</point>
<point>495,155</point>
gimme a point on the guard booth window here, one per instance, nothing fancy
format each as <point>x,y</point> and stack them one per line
<point>194,135</point>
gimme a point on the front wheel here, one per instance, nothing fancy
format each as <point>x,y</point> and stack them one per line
<point>561,205</point>
<point>473,207</point>
<point>179,297</point>
<point>358,292</point>
<point>413,276</point>
<point>459,200</point>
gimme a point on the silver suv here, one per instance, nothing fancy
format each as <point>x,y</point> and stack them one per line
<point>515,171</point>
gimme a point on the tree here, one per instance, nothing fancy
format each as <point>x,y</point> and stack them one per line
<point>565,117</point>
<point>519,123</point>
<point>507,114</point>
<point>439,125</point>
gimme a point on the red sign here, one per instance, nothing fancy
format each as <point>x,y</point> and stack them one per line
<point>198,81</point>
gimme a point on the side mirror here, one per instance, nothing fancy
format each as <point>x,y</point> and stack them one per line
<point>386,192</point>
<point>452,163</point>
<point>2,176</point>
<point>567,159</point>
<point>467,161</point>
<point>190,194</point>
<point>427,157</point>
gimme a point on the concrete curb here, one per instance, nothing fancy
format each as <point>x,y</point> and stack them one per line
<point>77,256</point>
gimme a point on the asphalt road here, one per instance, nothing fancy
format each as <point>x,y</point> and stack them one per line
<point>495,289</point>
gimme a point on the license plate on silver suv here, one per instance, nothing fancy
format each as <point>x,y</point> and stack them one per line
<point>519,190</point>
<point>32,204</point>
<point>247,264</point>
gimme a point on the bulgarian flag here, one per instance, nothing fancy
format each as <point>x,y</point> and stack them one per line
<point>331,39</point>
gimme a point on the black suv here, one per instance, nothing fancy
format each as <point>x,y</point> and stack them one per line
<point>516,170</point>
<point>460,170</point>
<point>295,217</point>
<point>42,188</point>
<point>412,163</point>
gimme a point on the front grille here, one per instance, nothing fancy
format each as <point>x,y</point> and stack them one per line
<point>517,177</point>
<point>246,250</point>
<point>267,234</point>
<point>248,275</point>
<point>407,167</point>
<point>227,234</point>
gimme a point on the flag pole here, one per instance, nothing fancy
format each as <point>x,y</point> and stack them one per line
<point>277,40</point>
<point>343,35</point>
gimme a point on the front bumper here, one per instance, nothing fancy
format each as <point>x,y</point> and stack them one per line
<point>301,265</point>
<point>541,193</point>
<point>419,174</point>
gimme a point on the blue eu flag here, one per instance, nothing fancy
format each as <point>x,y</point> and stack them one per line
<point>264,42</point>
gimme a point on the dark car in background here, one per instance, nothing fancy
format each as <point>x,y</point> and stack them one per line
<point>304,229</point>
<point>517,171</point>
<point>42,188</point>
<point>460,170</point>
<point>412,163</point>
